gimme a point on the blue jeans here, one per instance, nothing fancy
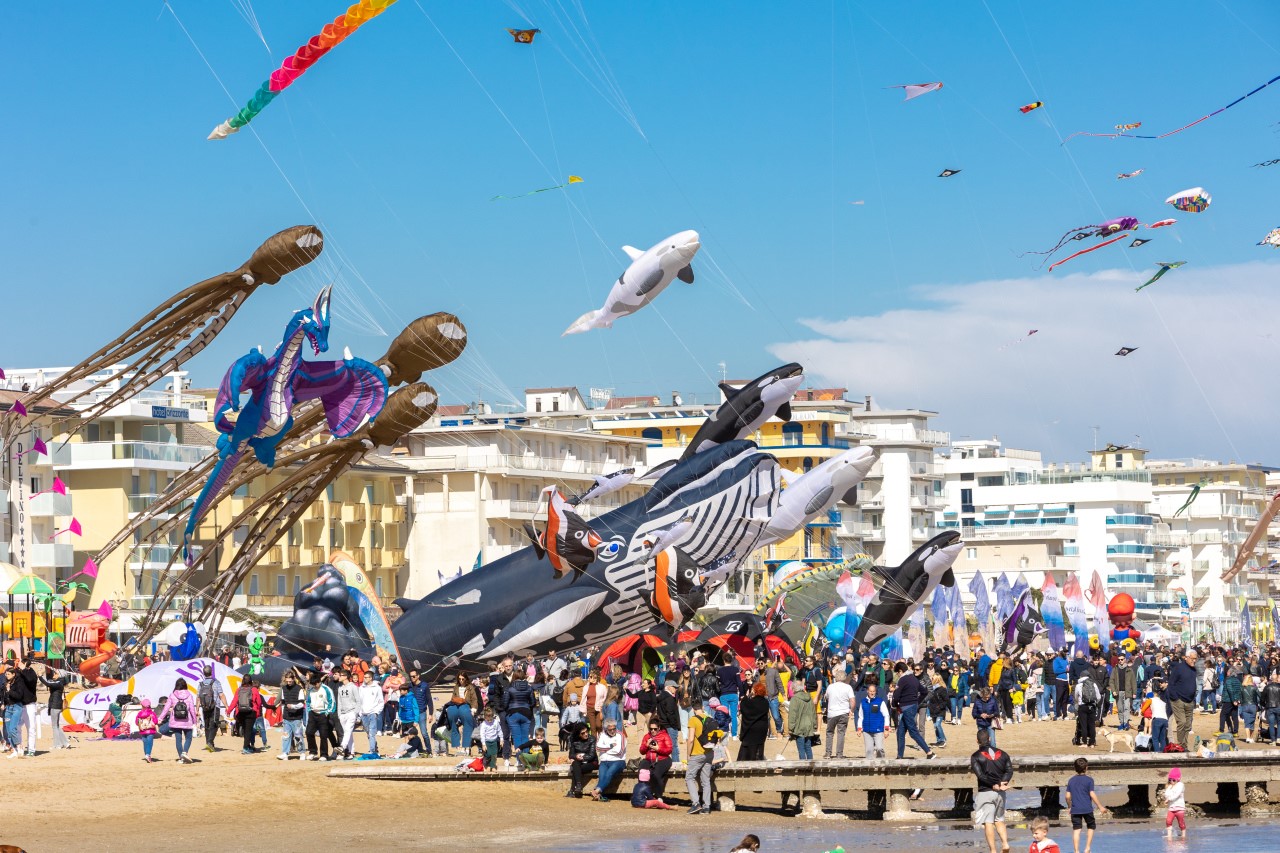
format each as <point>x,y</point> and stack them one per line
<point>370,722</point>
<point>182,740</point>
<point>939,736</point>
<point>991,731</point>
<point>521,731</point>
<point>730,701</point>
<point>674,734</point>
<point>907,724</point>
<point>1209,700</point>
<point>1159,734</point>
<point>147,741</point>
<point>776,712</point>
<point>611,712</point>
<point>608,771</point>
<point>292,731</point>
<point>1273,724</point>
<point>260,729</point>
<point>1046,700</point>
<point>423,719</point>
<point>804,748</point>
<point>13,725</point>
<point>957,707</point>
<point>460,715</point>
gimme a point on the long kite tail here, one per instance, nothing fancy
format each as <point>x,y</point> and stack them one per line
<point>1087,251</point>
<point>213,486</point>
<point>1176,130</point>
<point>1070,235</point>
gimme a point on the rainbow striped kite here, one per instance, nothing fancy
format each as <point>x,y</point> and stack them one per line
<point>293,67</point>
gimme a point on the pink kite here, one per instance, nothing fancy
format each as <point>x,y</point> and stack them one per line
<point>1086,251</point>
<point>38,447</point>
<point>90,569</point>
<point>915,90</point>
<point>19,409</point>
<point>73,528</point>
<point>58,488</point>
<point>106,611</point>
<point>1162,223</point>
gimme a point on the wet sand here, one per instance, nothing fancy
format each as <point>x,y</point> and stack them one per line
<point>102,796</point>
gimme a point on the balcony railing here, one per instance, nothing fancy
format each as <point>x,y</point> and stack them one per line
<point>1130,520</point>
<point>1130,549</point>
<point>50,555</point>
<point>395,557</point>
<point>269,600</point>
<point>393,515</point>
<point>93,453</point>
<point>353,513</point>
<point>906,435</point>
<point>275,556</point>
<point>141,503</point>
<point>51,504</point>
<point>375,558</point>
<point>315,512</point>
<point>294,552</point>
<point>833,553</point>
<point>317,555</point>
<point>466,462</point>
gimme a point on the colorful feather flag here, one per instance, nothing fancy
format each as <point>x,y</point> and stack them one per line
<point>1098,598</point>
<point>1051,610</point>
<point>1076,615</point>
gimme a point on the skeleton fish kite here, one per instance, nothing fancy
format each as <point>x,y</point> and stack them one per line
<point>640,283</point>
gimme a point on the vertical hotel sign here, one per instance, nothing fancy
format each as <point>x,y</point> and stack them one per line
<point>18,505</point>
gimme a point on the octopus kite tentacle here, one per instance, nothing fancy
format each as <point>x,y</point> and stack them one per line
<point>1086,251</point>
<point>1105,229</point>
<point>177,329</point>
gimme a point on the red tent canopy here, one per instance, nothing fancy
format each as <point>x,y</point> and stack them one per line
<point>745,650</point>
<point>629,651</point>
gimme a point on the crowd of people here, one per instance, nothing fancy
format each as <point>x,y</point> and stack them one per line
<point>688,709</point>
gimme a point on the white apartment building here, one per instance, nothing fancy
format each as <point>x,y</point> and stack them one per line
<point>1197,544</point>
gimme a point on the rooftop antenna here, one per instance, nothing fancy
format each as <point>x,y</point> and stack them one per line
<point>1095,437</point>
<point>723,373</point>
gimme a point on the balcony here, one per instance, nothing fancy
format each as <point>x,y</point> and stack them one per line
<point>393,515</point>
<point>51,556</point>
<point>376,511</point>
<point>1130,549</point>
<point>813,554</point>
<point>1170,540</point>
<point>375,558</point>
<point>178,602</point>
<point>510,462</point>
<point>142,503</point>
<point>129,454</point>
<point>335,510</point>
<point>152,556</point>
<point>395,557</point>
<point>1064,562</point>
<point>275,556</point>
<point>269,601</point>
<point>294,553</point>
<point>317,556</point>
<point>354,513</point>
<point>1130,521</point>
<point>1200,565</point>
<point>878,435</point>
<point>315,512</point>
<point>830,519</point>
<point>49,505</point>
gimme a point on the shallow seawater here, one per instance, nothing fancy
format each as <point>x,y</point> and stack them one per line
<point>818,836</point>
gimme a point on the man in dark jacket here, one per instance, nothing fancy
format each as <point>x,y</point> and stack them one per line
<point>994,770</point>
<point>499,683</point>
<point>1181,690</point>
<point>1123,685</point>
<point>57,683</point>
<point>22,707</point>
<point>292,708</point>
<point>907,696</point>
<point>1270,700</point>
<point>668,715</point>
<point>421,691</point>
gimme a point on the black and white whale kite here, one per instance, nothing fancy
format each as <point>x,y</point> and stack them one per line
<point>907,587</point>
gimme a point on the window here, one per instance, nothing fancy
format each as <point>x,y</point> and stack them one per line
<point>537,405</point>
<point>377,585</point>
<point>279,584</point>
<point>297,584</point>
<point>555,407</point>
<point>329,491</point>
<point>35,485</point>
<point>967,477</point>
<point>295,536</point>
<point>808,463</point>
<point>653,435</point>
<point>335,535</point>
<point>253,584</point>
<point>997,480</point>
<point>1119,460</point>
<point>135,485</point>
<point>966,496</point>
<point>792,434</point>
<point>971,553</point>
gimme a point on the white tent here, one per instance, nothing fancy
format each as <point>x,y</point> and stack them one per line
<point>1160,636</point>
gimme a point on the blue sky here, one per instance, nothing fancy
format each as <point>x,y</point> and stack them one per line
<point>754,123</point>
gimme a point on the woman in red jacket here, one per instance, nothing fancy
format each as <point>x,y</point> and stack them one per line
<point>655,756</point>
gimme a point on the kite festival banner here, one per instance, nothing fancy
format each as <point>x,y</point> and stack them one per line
<point>1076,615</point>
<point>981,606</point>
<point>1051,610</point>
<point>1101,621</point>
<point>151,682</point>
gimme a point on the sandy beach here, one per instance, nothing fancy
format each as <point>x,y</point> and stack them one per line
<point>101,796</point>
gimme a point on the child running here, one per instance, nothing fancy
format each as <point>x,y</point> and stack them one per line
<point>1175,794</point>
<point>147,722</point>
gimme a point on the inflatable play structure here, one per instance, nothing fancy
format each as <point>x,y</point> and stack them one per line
<point>153,682</point>
<point>89,631</point>
<point>640,653</point>
<point>337,611</point>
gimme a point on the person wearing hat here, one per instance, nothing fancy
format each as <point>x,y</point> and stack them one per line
<point>1175,795</point>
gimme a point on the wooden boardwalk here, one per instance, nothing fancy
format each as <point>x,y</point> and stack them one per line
<point>888,783</point>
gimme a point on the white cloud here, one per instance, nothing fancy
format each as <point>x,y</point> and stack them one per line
<point>1200,383</point>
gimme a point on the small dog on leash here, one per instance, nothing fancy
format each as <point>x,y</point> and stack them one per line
<point>1113,737</point>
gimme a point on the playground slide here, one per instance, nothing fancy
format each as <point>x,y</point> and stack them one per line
<point>89,669</point>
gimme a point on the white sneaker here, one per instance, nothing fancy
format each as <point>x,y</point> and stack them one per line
<point>284,756</point>
<point>506,765</point>
<point>15,754</point>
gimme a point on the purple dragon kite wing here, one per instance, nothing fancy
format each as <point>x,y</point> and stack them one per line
<point>350,390</point>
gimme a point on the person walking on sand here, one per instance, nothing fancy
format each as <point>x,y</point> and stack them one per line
<point>212,702</point>
<point>872,715</point>
<point>180,711</point>
<point>1175,794</point>
<point>147,725</point>
<point>802,723</point>
<point>907,694</point>
<point>994,771</point>
<point>1181,691</point>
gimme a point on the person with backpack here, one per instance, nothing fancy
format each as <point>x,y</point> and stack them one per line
<point>248,709</point>
<point>703,737</point>
<point>180,711</point>
<point>212,700</point>
<point>147,725</point>
<point>1087,698</point>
